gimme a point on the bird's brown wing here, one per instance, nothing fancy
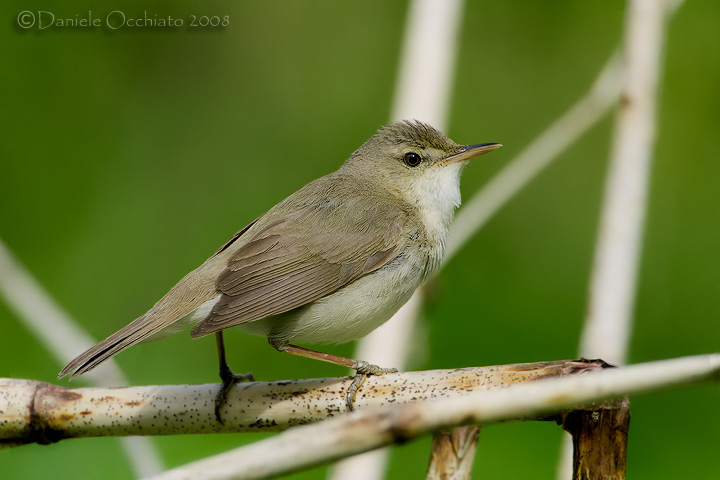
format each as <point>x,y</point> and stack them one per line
<point>304,256</point>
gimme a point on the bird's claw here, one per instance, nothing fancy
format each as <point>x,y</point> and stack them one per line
<point>363,369</point>
<point>229,379</point>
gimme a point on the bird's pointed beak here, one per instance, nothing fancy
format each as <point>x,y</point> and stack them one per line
<point>469,151</point>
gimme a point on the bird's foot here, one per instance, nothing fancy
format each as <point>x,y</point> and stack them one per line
<point>229,379</point>
<point>363,369</point>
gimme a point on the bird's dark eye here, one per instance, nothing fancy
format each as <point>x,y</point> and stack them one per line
<point>412,159</point>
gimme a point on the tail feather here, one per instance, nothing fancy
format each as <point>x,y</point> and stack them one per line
<point>194,294</point>
<point>187,302</point>
<point>132,334</point>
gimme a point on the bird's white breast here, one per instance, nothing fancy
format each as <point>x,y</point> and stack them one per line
<point>437,194</point>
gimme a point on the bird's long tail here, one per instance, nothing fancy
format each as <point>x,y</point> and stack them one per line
<point>128,336</point>
<point>186,303</point>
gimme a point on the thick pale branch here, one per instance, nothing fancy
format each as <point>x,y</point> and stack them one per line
<point>371,428</point>
<point>43,413</point>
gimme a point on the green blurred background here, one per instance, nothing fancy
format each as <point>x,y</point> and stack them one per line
<point>127,157</point>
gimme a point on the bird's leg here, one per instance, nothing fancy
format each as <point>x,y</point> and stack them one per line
<point>362,369</point>
<point>227,376</point>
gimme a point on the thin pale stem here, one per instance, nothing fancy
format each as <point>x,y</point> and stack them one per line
<point>607,328</point>
<point>430,45</point>
<point>613,281</point>
<point>63,338</point>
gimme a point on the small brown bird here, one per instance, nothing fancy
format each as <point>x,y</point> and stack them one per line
<point>328,264</point>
